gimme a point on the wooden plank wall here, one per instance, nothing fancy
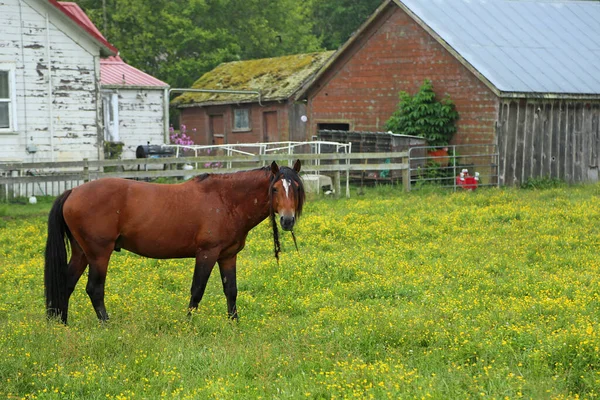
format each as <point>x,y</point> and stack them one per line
<point>55,73</point>
<point>548,139</point>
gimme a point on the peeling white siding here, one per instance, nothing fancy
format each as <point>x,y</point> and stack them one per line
<point>141,118</point>
<point>57,107</point>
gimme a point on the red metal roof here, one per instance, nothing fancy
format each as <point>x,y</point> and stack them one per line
<point>113,70</point>
<point>77,15</point>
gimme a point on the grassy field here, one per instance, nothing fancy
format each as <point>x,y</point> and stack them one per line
<point>492,294</point>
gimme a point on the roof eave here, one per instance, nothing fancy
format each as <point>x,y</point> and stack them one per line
<point>548,96</point>
<point>149,87</point>
<point>448,48</point>
<point>231,102</point>
<point>305,88</point>
<point>106,49</point>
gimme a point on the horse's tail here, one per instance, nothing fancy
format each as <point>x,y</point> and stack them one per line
<point>55,269</point>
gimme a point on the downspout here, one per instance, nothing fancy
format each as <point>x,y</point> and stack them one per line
<point>180,90</point>
<point>166,115</point>
<point>50,106</point>
<point>25,124</point>
<point>99,109</point>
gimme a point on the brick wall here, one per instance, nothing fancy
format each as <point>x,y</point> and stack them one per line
<point>198,118</point>
<point>396,54</point>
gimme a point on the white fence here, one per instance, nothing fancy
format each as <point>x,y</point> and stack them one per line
<point>25,179</point>
<point>414,168</point>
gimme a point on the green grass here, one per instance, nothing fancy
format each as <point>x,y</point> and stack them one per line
<point>492,293</point>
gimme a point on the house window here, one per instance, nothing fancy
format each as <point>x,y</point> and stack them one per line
<point>8,114</point>
<point>241,119</point>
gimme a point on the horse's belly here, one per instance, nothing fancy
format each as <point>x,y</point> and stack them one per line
<point>158,248</point>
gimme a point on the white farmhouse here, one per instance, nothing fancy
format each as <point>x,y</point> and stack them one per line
<point>53,103</point>
<point>133,101</point>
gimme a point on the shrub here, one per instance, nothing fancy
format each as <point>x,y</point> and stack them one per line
<point>422,115</point>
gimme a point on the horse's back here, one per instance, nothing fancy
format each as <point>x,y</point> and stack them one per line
<point>155,220</point>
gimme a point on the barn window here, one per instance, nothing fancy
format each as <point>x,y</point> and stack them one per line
<point>8,112</point>
<point>335,126</point>
<point>241,119</point>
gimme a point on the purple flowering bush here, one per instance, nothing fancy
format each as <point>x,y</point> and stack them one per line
<point>181,137</point>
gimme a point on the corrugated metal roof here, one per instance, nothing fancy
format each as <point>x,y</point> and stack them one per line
<point>76,14</point>
<point>115,72</point>
<point>521,46</point>
<point>276,78</point>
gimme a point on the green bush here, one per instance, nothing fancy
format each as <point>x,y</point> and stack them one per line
<point>422,115</point>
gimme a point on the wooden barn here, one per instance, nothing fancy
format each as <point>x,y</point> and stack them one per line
<point>524,75</point>
<point>265,109</point>
<point>51,92</point>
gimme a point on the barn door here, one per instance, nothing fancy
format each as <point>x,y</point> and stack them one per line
<point>270,133</point>
<point>217,130</point>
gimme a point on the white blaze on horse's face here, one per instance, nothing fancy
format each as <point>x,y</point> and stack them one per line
<point>286,186</point>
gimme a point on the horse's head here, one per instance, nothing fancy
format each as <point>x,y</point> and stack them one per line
<point>287,194</point>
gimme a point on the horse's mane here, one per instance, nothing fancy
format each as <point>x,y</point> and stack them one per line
<point>206,175</point>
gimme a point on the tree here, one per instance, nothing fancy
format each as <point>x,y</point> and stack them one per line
<point>179,40</point>
<point>335,20</point>
<point>422,115</point>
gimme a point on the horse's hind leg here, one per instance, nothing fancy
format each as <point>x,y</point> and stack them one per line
<point>75,268</point>
<point>96,280</point>
<point>205,261</point>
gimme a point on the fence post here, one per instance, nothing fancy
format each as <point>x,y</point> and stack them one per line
<point>406,173</point>
<point>347,179</point>
<point>336,177</point>
<point>454,174</point>
<point>86,171</point>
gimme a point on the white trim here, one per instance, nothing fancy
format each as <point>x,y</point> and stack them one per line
<point>12,100</point>
<point>110,111</point>
<point>114,103</point>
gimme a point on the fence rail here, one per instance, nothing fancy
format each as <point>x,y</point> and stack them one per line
<point>418,165</point>
<point>25,179</point>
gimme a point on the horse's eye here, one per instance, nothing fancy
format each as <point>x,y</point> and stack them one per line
<point>274,190</point>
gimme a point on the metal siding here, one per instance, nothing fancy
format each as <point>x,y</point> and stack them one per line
<point>522,46</point>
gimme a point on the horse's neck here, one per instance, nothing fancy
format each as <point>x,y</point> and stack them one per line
<point>251,195</point>
<point>247,194</point>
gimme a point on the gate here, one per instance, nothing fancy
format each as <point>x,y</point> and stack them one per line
<point>456,167</point>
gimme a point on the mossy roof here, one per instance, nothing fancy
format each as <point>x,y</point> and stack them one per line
<point>276,78</point>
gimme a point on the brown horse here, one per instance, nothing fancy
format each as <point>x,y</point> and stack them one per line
<point>207,218</point>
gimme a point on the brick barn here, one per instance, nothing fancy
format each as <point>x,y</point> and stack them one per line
<point>223,118</point>
<point>524,75</point>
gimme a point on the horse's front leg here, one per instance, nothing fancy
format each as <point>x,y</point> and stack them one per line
<point>227,269</point>
<point>205,261</point>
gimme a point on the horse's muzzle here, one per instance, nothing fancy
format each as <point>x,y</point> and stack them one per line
<point>287,223</point>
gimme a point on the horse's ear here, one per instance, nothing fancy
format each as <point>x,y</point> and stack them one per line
<point>297,166</point>
<point>274,168</point>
